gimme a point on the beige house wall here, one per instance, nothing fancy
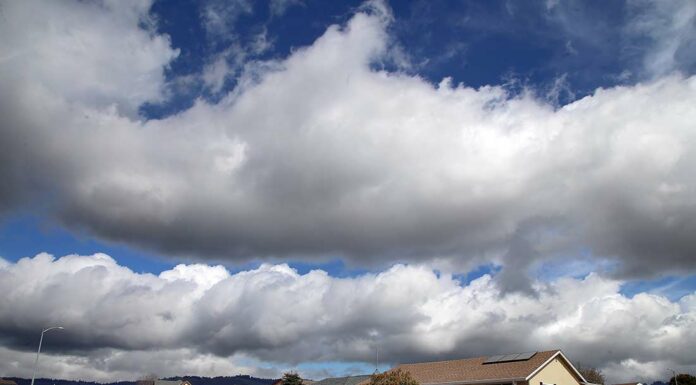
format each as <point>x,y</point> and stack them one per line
<point>555,372</point>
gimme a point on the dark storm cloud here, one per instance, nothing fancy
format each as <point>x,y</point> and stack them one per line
<point>319,155</point>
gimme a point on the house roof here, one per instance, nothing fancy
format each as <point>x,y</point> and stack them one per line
<point>304,382</point>
<point>168,382</point>
<point>351,380</point>
<point>7,382</point>
<point>473,370</point>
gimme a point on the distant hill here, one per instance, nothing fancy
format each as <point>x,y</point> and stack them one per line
<point>51,381</point>
<point>236,380</point>
<point>194,380</point>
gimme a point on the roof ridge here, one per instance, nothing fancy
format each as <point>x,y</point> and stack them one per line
<point>452,360</point>
<point>473,358</point>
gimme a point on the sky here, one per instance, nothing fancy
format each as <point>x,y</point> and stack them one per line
<point>250,187</point>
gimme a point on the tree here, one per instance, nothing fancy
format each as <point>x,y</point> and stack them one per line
<point>683,379</point>
<point>393,377</point>
<point>292,378</point>
<point>592,375</point>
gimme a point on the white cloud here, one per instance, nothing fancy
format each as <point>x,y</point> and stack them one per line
<point>203,276</point>
<point>232,50</point>
<point>670,28</point>
<point>277,8</point>
<point>319,154</point>
<point>215,73</point>
<point>219,17</point>
<point>92,54</point>
<point>323,155</point>
<point>632,370</point>
<point>121,324</point>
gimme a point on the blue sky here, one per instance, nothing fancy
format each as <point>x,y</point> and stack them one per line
<point>514,156</point>
<point>477,43</point>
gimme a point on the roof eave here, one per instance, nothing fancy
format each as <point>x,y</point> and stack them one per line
<point>486,381</point>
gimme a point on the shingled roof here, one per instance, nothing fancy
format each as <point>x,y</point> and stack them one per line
<point>351,380</point>
<point>473,370</point>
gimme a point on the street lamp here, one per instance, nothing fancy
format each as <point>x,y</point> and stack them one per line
<point>36,363</point>
<point>675,376</point>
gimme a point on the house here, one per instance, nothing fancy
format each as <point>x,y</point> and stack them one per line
<point>350,380</point>
<point>163,382</point>
<point>7,382</point>
<point>535,368</point>
<point>172,382</point>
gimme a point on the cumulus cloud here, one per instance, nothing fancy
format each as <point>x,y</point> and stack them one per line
<point>121,324</point>
<point>99,54</point>
<point>322,155</point>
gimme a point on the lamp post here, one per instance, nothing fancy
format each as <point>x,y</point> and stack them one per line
<point>36,363</point>
<point>675,376</point>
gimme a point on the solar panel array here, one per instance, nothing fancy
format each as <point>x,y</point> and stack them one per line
<point>509,357</point>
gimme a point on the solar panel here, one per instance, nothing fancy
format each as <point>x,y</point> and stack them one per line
<point>492,359</point>
<point>509,357</point>
<point>526,356</point>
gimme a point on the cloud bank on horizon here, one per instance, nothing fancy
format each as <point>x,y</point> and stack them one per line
<point>205,320</point>
<point>339,149</point>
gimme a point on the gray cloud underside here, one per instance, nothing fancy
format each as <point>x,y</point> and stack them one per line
<point>319,155</point>
<point>199,319</point>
